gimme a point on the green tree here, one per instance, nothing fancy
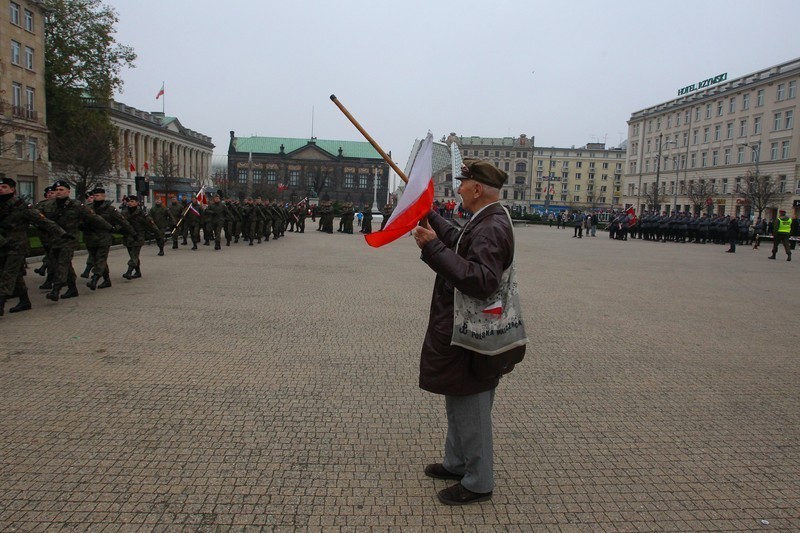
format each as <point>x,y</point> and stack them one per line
<point>83,62</point>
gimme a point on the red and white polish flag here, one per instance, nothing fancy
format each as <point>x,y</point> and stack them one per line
<point>201,196</point>
<point>494,309</point>
<point>416,201</point>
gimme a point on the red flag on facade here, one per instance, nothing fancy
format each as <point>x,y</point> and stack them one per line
<point>133,168</point>
<point>146,166</point>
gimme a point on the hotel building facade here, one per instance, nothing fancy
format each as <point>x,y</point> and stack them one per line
<point>716,136</point>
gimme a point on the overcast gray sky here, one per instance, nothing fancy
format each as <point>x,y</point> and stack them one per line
<point>565,72</point>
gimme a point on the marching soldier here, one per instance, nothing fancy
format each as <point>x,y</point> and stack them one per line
<point>230,221</point>
<point>70,215</point>
<point>176,211</point>
<point>346,220</point>
<point>98,241</point>
<point>15,217</point>
<point>163,220</point>
<point>134,241</point>
<point>215,217</point>
<point>49,194</point>
<point>301,217</point>
<point>248,220</point>
<point>260,218</point>
<point>191,223</point>
<point>366,220</point>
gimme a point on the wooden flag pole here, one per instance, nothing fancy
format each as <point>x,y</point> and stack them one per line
<point>369,138</point>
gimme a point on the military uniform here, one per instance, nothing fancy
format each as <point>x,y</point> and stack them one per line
<point>163,220</point>
<point>346,220</point>
<point>387,212</point>
<point>215,215</point>
<point>366,220</point>
<point>15,217</point>
<point>98,242</point>
<point>176,210</point>
<point>71,216</point>
<point>134,241</point>
<point>191,223</point>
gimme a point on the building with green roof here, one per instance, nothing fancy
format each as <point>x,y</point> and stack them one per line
<point>291,169</point>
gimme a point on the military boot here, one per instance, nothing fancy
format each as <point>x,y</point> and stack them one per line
<point>138,272</point>
<point>771,257</point>
<point>106,282</point>
<point>42,270</point>
<point>85,273</point>
<point>72,290</point>
<point>160,249</point>
<point>127,274</point>
<point>54,293</point>
<point>194,246</point>
<point>217,246</point>
<point>93,282</point>
<point>184,242</point>
<point>48,284</point>
<point>227,242</point>
<point>251,242</point>
<point>789,257</point>
<point>175,245</point>
<point>23,305</point>
<point>206,243</point>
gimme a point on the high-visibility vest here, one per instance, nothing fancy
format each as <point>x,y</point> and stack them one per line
<point>785,226</point>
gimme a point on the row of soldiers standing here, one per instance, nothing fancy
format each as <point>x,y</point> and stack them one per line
<point>685,227</point>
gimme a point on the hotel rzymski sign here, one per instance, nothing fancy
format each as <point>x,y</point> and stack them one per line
<point>703,84</point>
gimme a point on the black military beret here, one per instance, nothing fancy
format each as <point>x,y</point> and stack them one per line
<point>483,172</point>
<point>48,189</point>
<point>89,194</point>
<point>8,181</point>
<point>62,183</point>
<point>98,190</point>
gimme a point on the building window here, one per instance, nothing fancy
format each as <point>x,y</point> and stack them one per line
<point>14,13</point>
<point>678,118</point>
<point>760,98</point>
<point>272,177</point>
<point>505,194</point>
<point>694,136</point>
<point>708,110</point>
<point>732,105</point>
<point>746,101</point>
<point>706,132</point>
<point>19,146</point>
<point>740,155</point>
<point>720,107</point>
<point>577,187</point>
<point>257,177</point>
<point>727,156</point>
<point>294,178</point>
<point>724,185</point>
<point>774,151</point>
<point>777,123</point>
<point>15,52</point>
<point>704,159</point>
<point>696,114</point>
<point>576,198</point>
<point>349,180</point>
<point>686,138</point>
<point>789,120</point>
<point>30,96</point>
<point>792,89</point>
<point>520,167</point>
<point>715,158</point>
<point>756,125</point>
<point>16,96</point>
<point>730,130</point>
<point>486,153</point>
<point>743,128</point>
<point>669,121</point>
<point>577,175</point>
<point>243,175</point>
<point>362,181</point>
<point>781,92</point>
<point>507,166</point>
<point>29,21</point>
<point>785,150</point>
<point>717,132</point>
<point>29,58</point>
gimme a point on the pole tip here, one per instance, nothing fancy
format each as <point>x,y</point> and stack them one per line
<point>333,97</point>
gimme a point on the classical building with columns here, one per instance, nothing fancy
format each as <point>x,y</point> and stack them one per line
<point>715,135</point>
<point>174,159</point>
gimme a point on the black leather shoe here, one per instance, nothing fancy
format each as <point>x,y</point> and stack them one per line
<point>458,495</point>
<point>437,471</point>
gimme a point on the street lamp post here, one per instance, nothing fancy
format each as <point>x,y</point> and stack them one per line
<point>675,199</point>
<point>658,173</point>
<point>548,180</point>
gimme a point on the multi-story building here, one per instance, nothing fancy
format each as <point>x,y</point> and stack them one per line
<point>443,190</point>
<point>292,169</point>
<point>23,124</point>
<point>577,179</point>
<point>713,138</point>
<point>553,179</point>
<point>174,159</point>
<point>512,154</point>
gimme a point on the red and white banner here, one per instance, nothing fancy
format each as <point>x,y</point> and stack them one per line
<point>416,201</point>
<point>631,212</point>
<point>201,196</point>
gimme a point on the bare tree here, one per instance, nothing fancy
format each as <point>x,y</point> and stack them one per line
<point>166,168</point>
<point>761,192</point>
<point>699,192</point>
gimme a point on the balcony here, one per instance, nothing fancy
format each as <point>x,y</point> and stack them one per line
<point>24,113</point>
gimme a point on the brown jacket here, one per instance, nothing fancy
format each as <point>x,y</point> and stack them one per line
<point>486,250</point>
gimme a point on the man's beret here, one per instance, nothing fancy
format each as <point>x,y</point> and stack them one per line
<point>483,172</point>
<point>48,189</point>
<point>8,181</point>
<point>89,194</point>
<point>62,183</point>
<point>98,190</point>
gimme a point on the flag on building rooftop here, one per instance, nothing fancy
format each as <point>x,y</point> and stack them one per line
<point>160,91</point>
<point>416,201</point>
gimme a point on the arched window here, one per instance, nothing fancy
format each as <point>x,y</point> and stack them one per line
<point>521,167</point>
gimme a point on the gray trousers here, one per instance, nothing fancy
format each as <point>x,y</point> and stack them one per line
<point>468,449</point>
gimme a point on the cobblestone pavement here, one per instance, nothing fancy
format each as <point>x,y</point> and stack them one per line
<point>274,387</point>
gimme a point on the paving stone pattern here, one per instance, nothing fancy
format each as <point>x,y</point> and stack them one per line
<point>274,388</point>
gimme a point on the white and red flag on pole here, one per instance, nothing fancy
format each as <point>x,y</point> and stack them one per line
<point>201,196</point>
<point>160,91</point>
<point>416,201</point>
